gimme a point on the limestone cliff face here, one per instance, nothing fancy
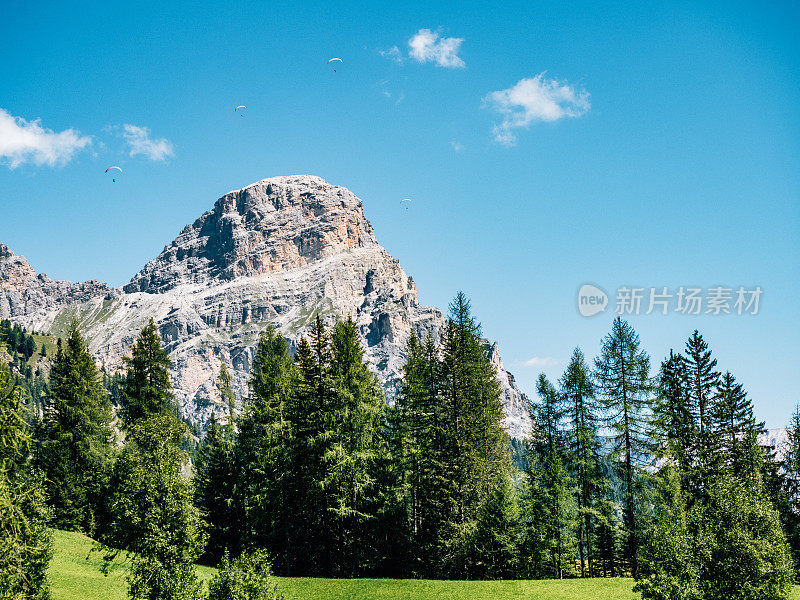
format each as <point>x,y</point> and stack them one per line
<point>277,252</point>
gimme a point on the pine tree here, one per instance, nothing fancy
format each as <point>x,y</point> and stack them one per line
<point>75,439</point>
<point>427,483</point>
<point>732,421</point>
<point>551,518</point>
<point>356,450</point>
<point>791,484</point>
<point>214,490</point>
<point>152,515</point>
<point>673,418</point>
<point>583,445</point>
<point>147,390</point>
<point>703,380</point>
<point>476,443</point>
<point>25,540</point>
<point>308,411</point>
<point>622,372</point>
<point>263,453</point>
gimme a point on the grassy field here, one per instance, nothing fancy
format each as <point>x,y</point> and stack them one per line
<point>75,575</point>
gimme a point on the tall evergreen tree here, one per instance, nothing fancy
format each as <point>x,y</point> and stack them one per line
<point>791,484</point>
<point>673,418</point>
<point>75,440</point>
<point>215,481</point>
<point>703,380</point>
<point>147,390</point>
<point>25,540</point>
<point>263,453</point>
<point>622,373</point>
<point>308,410</point>
<point>581,416</point>
<point>551,519</point>
<point>427,483</point>
<point>152,515</point>
<point>732,421</point>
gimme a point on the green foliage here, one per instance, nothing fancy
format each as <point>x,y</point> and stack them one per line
<point>551,513</point>
<point>453,451</point>
<point>261,451</point>
<point>670,569</point>
<point>147,389</point>
<point>581,412</point>
<point>730,545</point>
<point>622,372</point>
<point>25,541</point>
<point>75,446</point>
<point>742,549</point>
<point>152,515</point>
<point>248,577</point>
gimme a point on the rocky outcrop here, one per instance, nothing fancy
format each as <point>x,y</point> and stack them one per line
<point>24,293</point>
<point>277,252</point>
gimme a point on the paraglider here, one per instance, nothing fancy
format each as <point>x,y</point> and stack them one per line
<point>238,107</point>
<point>405,200</point>
<point>334,60</point>
<point>113,179</point>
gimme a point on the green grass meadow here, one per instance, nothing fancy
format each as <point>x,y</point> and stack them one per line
<point>75,575</point>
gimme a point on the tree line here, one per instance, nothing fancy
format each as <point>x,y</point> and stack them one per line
<point>626,472</point>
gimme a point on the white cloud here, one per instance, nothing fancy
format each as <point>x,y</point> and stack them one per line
<point>535,99</point>
<point>456,146</point>
<point>540,361</point>
<point>139,142</point>
<point>428,46</point>
<point>22,141</point>
<point>393,53</point>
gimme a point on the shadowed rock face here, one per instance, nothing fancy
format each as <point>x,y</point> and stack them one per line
<point>277,252</point>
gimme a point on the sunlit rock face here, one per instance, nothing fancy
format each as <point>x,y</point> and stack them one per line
<point>277,252</point>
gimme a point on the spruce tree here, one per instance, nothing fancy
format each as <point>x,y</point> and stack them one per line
<point>673,418</point>
<point>732,421</point>
<point>308,410</point>
<point>214,490</point>
<point>75,439</point>
<point>791,484</point>
<point>703,381</point>
<point>551,519</point>
<point>583,445</point>
<point>622,374</point>
<point>357,449</point>
<point>152,515</point>
<point>147,390</point>
<point>25,540</point>
<point>263,456</point>
<point>427,485</point>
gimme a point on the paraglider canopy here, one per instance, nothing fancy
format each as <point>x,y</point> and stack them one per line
<point>113,179</point>
<point>405,200</point>
<point>334,60</point>
<point>240,106</point>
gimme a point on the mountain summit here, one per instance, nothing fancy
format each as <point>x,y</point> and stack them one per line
<point>277,252</point>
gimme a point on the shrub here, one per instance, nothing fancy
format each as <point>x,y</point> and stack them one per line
<point>248,577</point>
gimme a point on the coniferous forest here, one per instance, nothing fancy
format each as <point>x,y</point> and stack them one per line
<point>633,467</point>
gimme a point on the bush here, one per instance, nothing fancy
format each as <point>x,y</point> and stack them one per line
<point>730,545</point>
<point>248,577</point>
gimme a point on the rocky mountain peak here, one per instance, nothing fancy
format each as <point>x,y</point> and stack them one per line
<point>5,251</point>
<point>270,226</point>
<point>277,253</point>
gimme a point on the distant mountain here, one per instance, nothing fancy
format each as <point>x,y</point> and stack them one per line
<point>277,252</point>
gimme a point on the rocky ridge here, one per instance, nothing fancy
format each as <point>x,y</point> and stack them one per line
<point>277,252</point>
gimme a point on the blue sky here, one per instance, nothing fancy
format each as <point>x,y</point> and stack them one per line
<point>659,146</point>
